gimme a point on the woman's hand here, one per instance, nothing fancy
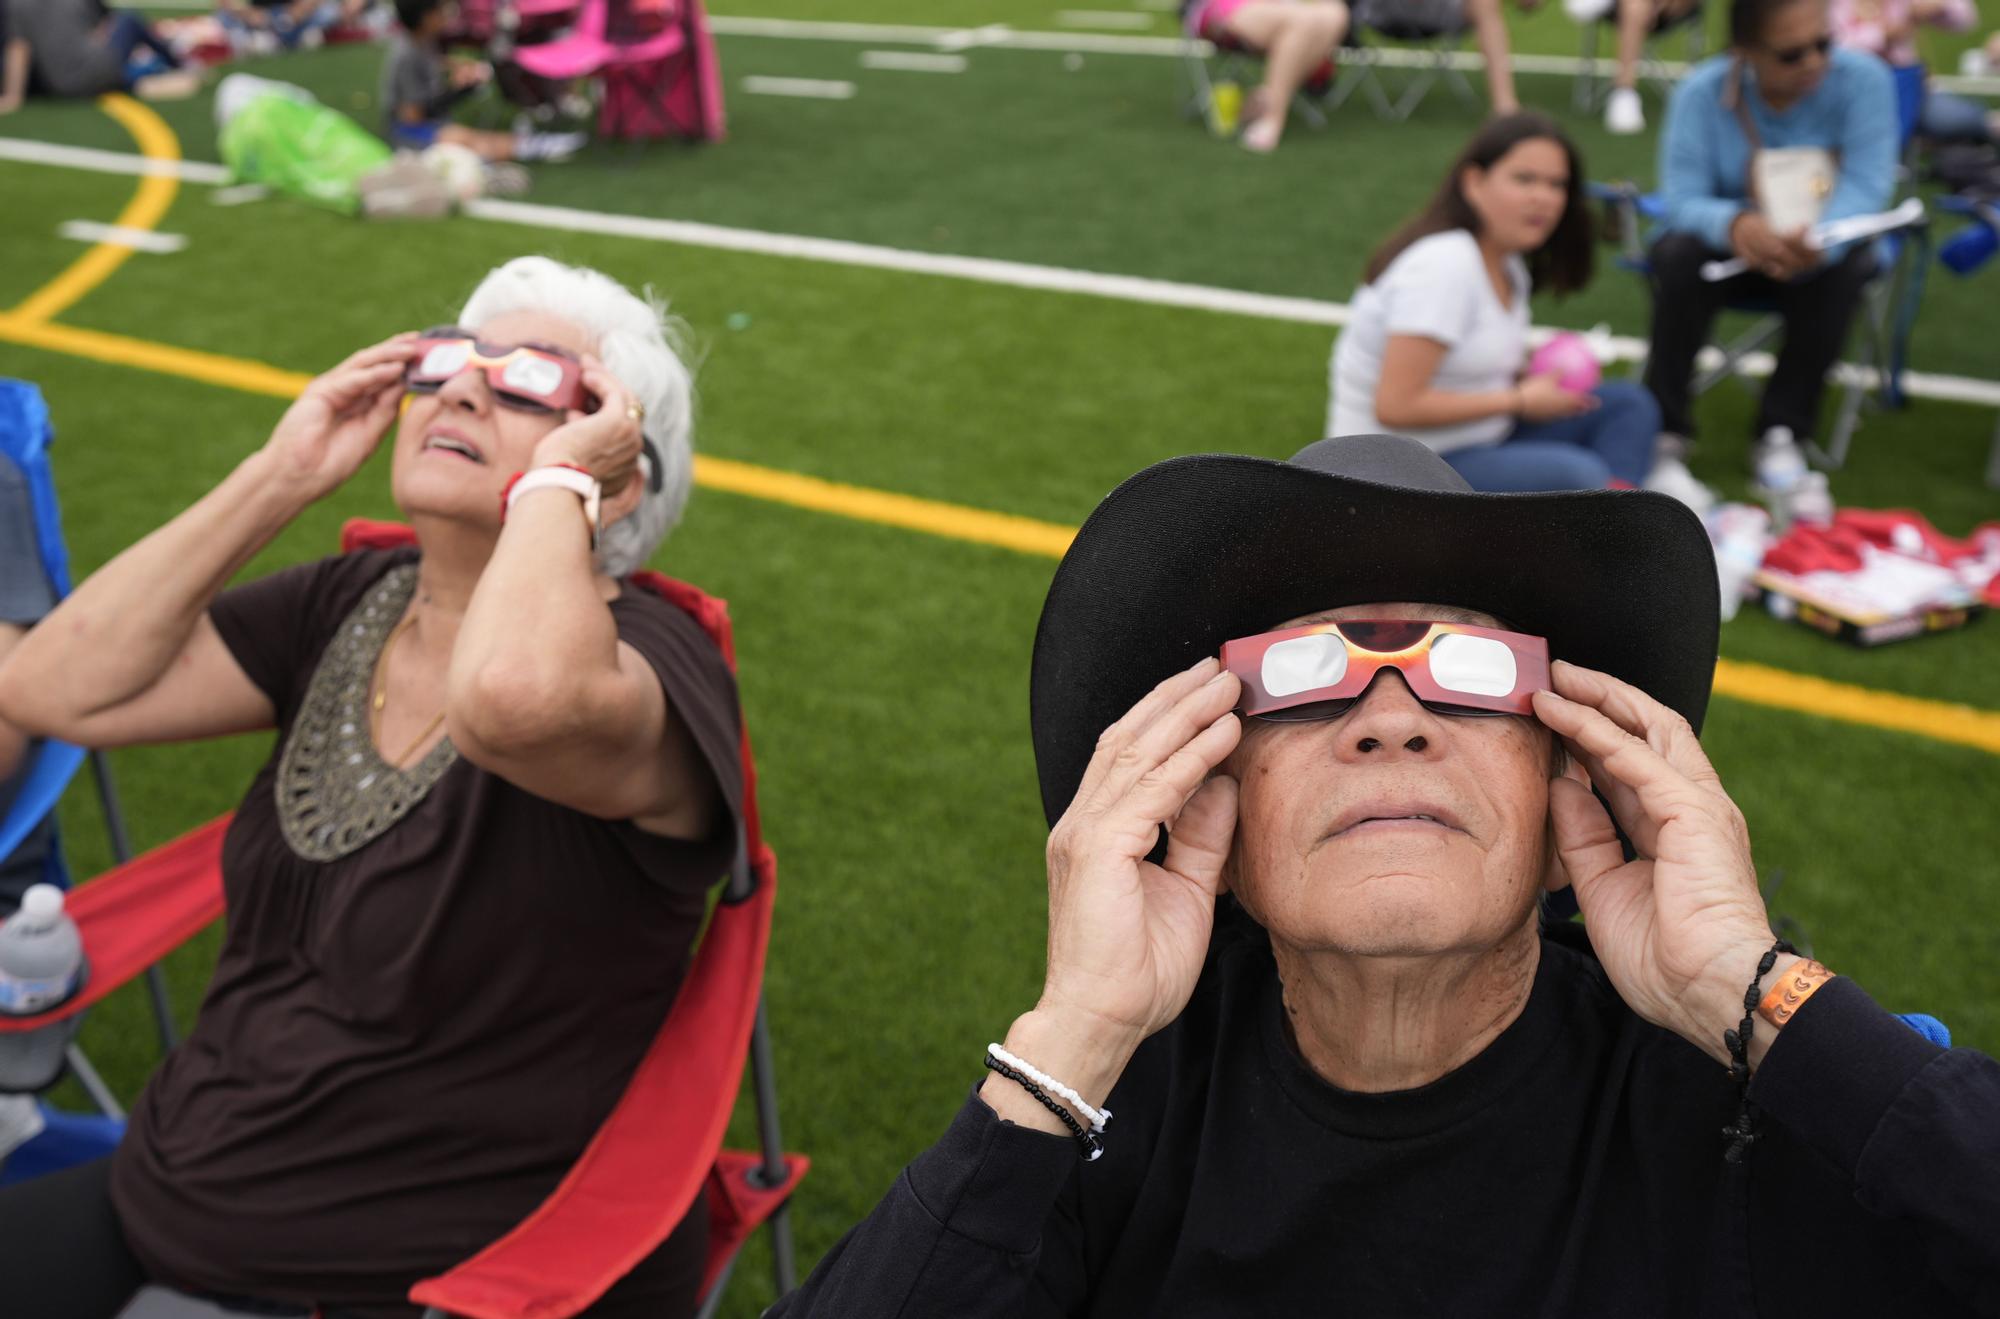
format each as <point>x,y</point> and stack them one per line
<point>332,427</point>
<point>606,443</point>
<point>1127,938</point>
<point>1679,929</point>
<point>1542,399</point>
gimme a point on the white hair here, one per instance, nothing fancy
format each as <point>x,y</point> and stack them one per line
<point>640,343</point>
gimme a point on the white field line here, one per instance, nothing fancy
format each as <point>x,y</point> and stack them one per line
<point>139,240</point>
<point>944,38</point>
<point>979,270</point>
<point>819,89</point>
<point>993,34</point>
<point>1116,20</point>
<point>912,61</point>
<point>1106,44</point>
<point>108,162</point>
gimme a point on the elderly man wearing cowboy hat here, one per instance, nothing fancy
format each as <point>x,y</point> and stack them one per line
<point>1316,737</point>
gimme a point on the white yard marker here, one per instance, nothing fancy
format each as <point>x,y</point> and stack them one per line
<point>108,162</point>
<point>1115,20</point>
<point>820,89</point>
<point>912,61</point>
<point>139,240</point>
<point>240,195</point>
<point>993,34</point>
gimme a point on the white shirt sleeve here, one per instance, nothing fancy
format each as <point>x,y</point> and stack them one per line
<point>1432,289</point>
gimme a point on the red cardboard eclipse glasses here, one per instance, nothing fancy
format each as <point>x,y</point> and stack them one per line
<point>1319,671</point>
<point>524,376</point>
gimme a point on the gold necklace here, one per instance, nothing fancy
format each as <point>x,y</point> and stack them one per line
<point>382,692</point>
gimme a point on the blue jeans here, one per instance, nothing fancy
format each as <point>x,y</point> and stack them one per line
<point>129,32</point>
<point>1584,452</point>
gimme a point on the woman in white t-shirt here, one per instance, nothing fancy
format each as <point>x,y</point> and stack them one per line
<point>1437,347</point>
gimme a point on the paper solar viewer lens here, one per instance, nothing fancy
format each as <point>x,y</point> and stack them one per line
<point>1304,663</point>
<point>443,359</point>
<point>533,375</point>
<point>1476,666</point>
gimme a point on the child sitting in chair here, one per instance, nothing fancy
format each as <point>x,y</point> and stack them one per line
<point>420,87</point>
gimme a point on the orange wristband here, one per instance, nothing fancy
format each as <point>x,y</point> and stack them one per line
<point>1800,982</point>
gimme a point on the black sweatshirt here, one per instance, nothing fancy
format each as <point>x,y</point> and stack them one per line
<point>1573,1168</point>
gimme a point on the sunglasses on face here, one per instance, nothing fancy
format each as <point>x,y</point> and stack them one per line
<point>1319,671</point>
<point>523,376</point>
<point>1797,54</point>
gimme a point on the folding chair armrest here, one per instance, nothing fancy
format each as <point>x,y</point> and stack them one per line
<point>42,784</point>
<point>134,914</point>
<point>640,1174</point>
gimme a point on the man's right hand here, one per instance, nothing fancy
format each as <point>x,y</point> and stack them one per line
<point>332,427</point>
<point>1768,252</point>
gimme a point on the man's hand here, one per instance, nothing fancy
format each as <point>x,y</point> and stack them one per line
<point>1768,252</point>
<point>1680,928</point>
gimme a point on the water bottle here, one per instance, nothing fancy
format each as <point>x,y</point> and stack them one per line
<point>1811,500</point>
<point>41,967</point>
<point>1225,108</point>
<point>1780,466</point>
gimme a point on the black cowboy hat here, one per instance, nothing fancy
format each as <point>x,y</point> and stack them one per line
<point>1195,551</point>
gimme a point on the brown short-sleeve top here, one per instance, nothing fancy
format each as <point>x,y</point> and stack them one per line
<point>405,1047</point>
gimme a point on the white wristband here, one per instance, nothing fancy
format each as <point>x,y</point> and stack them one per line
<point>1097,1117</point>
<point>581,484</point>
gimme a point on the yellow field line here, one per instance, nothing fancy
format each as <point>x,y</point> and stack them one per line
<point>29,325</point>
<point>1941,720</point>
<point>148,206</point>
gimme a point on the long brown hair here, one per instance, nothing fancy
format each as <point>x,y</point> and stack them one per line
<point>1563,264</point>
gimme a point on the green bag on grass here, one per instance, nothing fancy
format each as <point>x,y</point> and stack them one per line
<point>302,149</point>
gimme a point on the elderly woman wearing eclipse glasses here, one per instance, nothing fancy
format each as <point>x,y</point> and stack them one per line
<point>464,886</point>
<point>1312,1051</point>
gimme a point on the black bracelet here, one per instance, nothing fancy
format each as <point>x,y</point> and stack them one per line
<point>1740,1133</point>
<point>1087,1143</point>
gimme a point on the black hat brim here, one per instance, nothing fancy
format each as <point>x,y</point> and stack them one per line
<point>1198,550</point>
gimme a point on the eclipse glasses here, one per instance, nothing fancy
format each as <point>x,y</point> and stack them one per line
<point>525,377</point>
<point>1320,671</point>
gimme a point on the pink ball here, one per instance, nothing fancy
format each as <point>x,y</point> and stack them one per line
<point>1568,358</point>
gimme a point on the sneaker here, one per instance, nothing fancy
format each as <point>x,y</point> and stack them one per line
<point>548,146</point>
<point>1669,445</point>
<point>1670,476</point>
<point>1625,113</point>
<point>1589,11</point>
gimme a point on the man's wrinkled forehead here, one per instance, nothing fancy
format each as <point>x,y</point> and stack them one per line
<point>1403,609</point>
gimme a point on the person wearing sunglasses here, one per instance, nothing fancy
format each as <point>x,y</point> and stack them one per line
<point>1830,114</point>
<point>465,884</point>
<point>1315,738</point>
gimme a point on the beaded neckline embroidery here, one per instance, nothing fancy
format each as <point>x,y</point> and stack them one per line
<point>335,792</point>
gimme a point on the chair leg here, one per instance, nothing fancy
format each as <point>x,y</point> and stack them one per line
<point>1993,460</point>
<point>93,1084</point>
<point>712,1302</point>
<point>121,851</point>
<point>764,1078</point>
<point>1583,87</point>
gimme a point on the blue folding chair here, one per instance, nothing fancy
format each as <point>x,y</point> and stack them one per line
<point>1889,301</point>
<point>25,434</point>
<point>1964,253</point>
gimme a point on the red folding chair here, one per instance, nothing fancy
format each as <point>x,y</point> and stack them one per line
<point>660,1147</point>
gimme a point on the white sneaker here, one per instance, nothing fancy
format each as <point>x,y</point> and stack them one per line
<point>1589,11</point>
<point>1625,113</point>
<point>548,146</point>
<point>1670,476</point>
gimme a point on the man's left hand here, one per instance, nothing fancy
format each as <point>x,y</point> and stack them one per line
<point>1681,927</point>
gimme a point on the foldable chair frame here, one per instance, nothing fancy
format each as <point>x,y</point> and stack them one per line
<point>1430,55</point>
<point>1592,85</point>
<point>1204,63</point>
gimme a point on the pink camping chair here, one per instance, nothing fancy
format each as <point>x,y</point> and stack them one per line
<point>656,62</point>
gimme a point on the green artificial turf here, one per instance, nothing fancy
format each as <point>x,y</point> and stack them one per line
<point>884,673</point>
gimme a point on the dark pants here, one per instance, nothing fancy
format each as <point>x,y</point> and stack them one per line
<point>127,32</point>
<point>65,1256</point>
<point>1817,310</point>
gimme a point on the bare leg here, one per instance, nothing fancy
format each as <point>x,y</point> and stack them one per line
<point>1635,20</point>
<point>489,145</point>
<point>1296,38</point>
<point>1489,30</point>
